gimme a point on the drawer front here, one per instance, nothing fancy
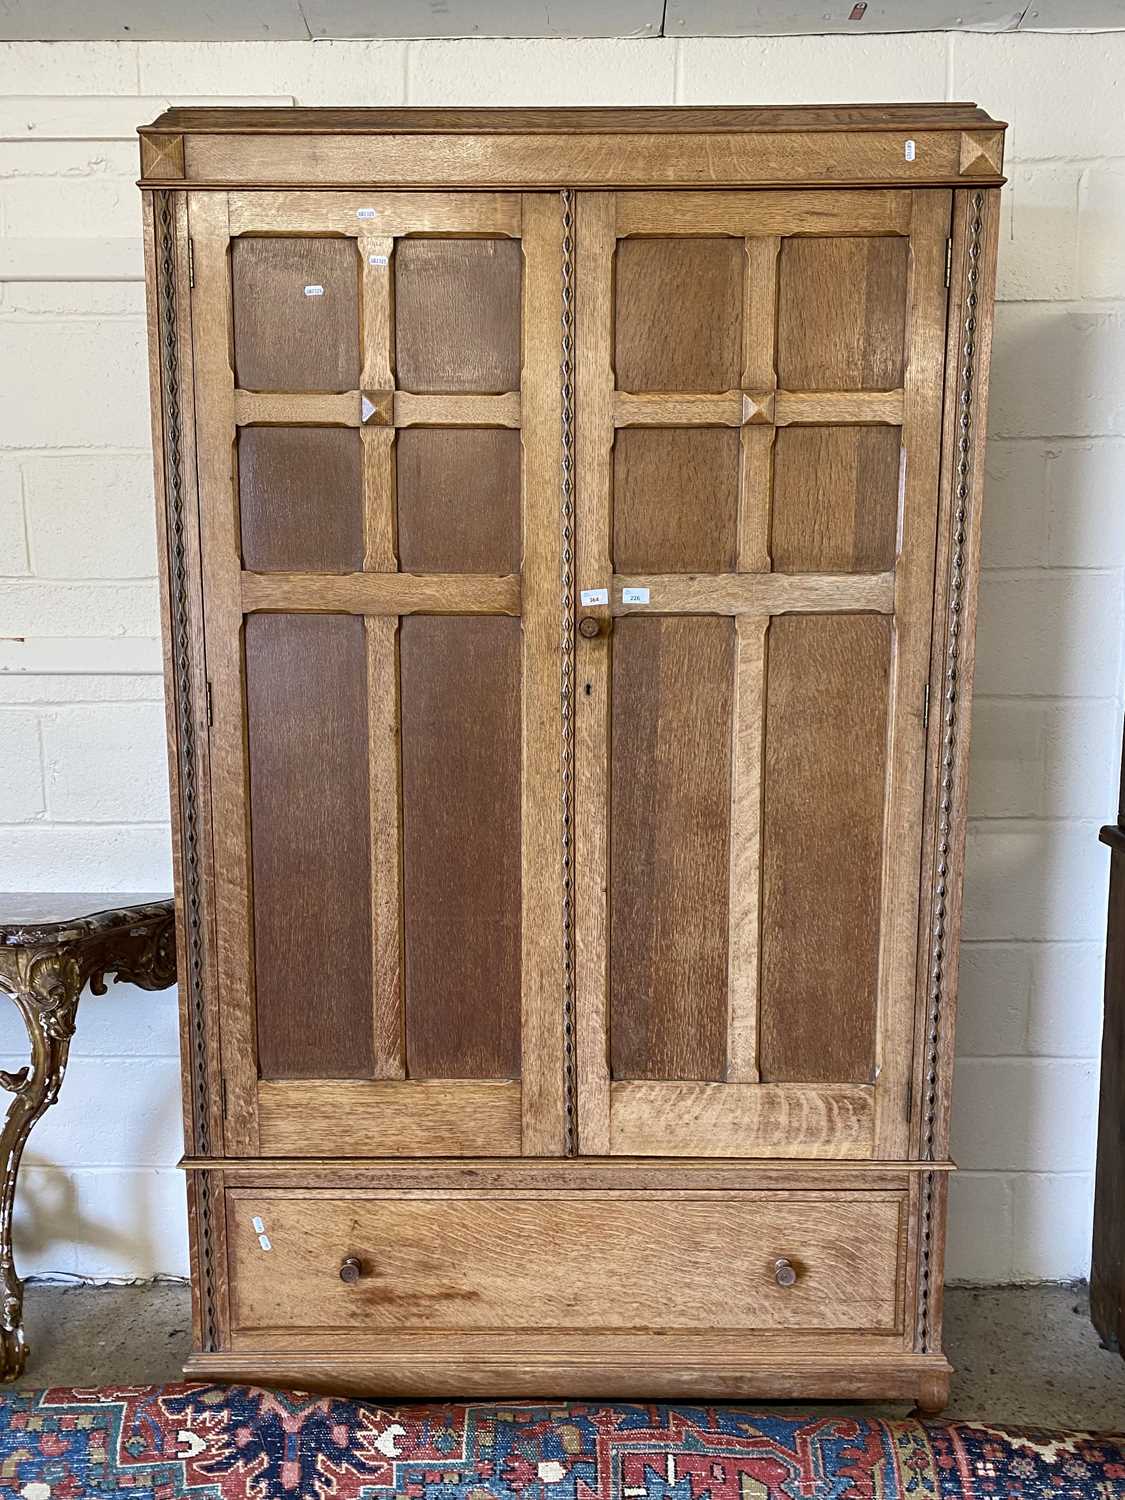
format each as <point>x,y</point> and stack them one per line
<point>583,1263</point>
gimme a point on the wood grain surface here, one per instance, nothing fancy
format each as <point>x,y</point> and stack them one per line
<point>385,1119</point>
<point>772,1121</point>
<point>300,499</point>
<point>625,159</point>
<point>842,313</point>
<point>677,314</point>
<point>675,500</point>
<point>835,499</point>
<point>670,767</point>
<point>284,338</point>
<point>457,315</point>
<point>460,695</point>
<point>459,500</point>
<point>508,1264</point>
<point>306,725</point>
<point>822,846</point>
<point>749,214</point>
<point>383,593</point>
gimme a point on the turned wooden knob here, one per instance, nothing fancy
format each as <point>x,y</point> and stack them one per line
<point>589,627</point>
<point>783,1272</point>
<point>350,1269</point>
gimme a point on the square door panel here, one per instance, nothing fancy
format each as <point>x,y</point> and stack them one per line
<point>835,499</point>
<point>678,314</point>
<point>457,315</point>
<point>675,499</point>
<point>459,500</point>
<point>842,313</point>
<point>287,336</point>
<point>300,495</point>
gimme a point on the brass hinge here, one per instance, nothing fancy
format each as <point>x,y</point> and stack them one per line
<point>948,260</point>
<point>925,708</point>
<point>210,708</point>
<point>191,265</point>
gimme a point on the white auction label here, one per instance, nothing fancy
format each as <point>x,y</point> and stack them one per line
<point>595,596</point>
<point>314,291</point>
<point>378,260</point>
<point>366,213</point>
<point>634,596</point>
<point>909,151</point>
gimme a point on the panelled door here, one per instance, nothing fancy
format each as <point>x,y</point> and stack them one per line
<point>759,405</point>
<point>379,439</point>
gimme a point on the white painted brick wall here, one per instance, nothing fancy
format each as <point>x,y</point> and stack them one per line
<point>82,792</point>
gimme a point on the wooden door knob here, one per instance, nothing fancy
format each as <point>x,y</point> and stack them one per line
<point>589,627</point>
<point>351,1269</point>
<point>783,1272</point>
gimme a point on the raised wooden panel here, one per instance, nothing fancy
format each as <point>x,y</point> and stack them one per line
<point>306,720</point>
<point>457,315</point>
<point>824,782</point>
<point>287,336</point>
<point>460,697</point>
<point>789,1121</point>
<point>569,1262</point>
<point>675,500</point>
<point>300,496</point>
<point>671,695</point>
<point>835,499</point>
<point>678,314</point>
<point>459,500</point>
<point>388,1118</point>
<point>842,313</point>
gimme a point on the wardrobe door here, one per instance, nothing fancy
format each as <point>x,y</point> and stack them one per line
<point>759,399</point>
<point>379,430</point>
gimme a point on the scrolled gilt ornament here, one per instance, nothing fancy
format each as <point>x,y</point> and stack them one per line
<point>51,984</point>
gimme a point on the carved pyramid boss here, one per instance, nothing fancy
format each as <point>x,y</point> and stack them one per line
<point>570,525</point>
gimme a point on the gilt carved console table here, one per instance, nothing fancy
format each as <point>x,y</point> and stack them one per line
<point>51,947</point>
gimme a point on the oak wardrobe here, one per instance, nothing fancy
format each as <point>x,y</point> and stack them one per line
<point>569,526</point>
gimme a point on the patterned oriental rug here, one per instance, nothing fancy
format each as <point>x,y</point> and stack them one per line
<point>238,1443</point>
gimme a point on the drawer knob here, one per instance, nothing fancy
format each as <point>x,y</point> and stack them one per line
<point>589,627</point>
<point>350,1269</point>
<point>783,1272</point>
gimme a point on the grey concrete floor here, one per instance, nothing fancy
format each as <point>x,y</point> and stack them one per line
<point>1025,1356</point>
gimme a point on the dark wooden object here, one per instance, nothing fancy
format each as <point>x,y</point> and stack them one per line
<point>51,947</point>
<point>1107,1270</point>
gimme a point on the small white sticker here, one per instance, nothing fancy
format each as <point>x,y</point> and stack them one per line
<point>264,1241</point>
<point>595,596</point>
<point>909,151</point>
<point>314,291</point>
<point>258,1225</point>
<point>366,213</point>
<point>378,260</point>
<point>634,596</point>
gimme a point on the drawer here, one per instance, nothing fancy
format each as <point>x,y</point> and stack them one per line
<point>753,1260</point>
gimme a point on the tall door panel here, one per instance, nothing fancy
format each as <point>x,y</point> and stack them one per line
<point>759,394</point>
<point>380,428</point>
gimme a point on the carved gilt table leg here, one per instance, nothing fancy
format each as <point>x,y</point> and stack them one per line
<point>44,969</point>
